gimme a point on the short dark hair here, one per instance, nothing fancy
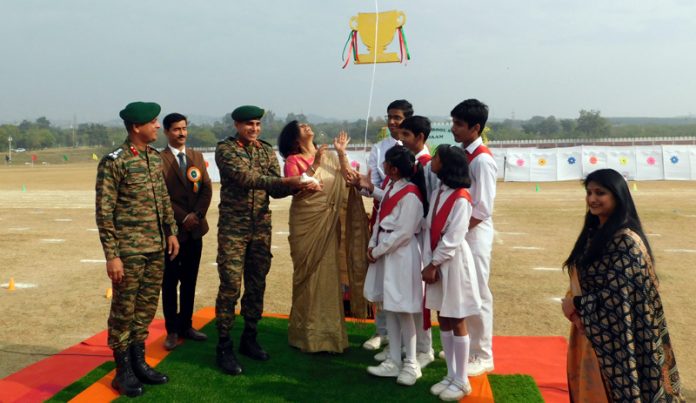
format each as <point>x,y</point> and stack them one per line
<point>455,168</point>
<point>417,124</point>
<point>402,105</point>
<point>473,112</point>
<point>172,118</point>
<point>287,139</point>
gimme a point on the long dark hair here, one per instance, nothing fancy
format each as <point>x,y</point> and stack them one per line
<point>288,139</point>
<point>455,169</point>
<point>404,160</point>
<point>624,216</point>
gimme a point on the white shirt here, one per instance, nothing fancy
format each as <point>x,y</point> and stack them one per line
<point>176,152</point>
<point>483,172</point>
<point>403,223</point>
<point>376,158</point>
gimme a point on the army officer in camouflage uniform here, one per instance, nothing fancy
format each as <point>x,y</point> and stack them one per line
<point>136,224</point>
<point>249,173</point>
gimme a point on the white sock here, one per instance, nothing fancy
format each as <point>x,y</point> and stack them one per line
<point>461,353</point>
<point>448,346</point>
<point>394,333</point>
<point>408,334</point>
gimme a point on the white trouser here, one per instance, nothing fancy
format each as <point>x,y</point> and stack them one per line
<point>481,326</point>
<point>381,323</point>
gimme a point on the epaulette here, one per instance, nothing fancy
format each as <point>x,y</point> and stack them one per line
<point>115,154</point>
<point>230,138</point>
<point>265,142</point>
<point>153,149</point>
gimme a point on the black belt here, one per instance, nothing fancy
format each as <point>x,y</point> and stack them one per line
<point>388,231</point>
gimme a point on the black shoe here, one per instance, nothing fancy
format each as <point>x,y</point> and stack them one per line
<point>145,373</point>
<point>194,334</point>
<point>226,359</point>
<point>125,381</point>
<point>250,347</point>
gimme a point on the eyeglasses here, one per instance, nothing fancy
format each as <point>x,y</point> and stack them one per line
<point>394,117</point>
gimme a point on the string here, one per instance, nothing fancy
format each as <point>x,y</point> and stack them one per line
<point>372,83</point>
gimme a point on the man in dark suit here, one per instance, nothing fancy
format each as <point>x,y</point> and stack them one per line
<point>190,190</point>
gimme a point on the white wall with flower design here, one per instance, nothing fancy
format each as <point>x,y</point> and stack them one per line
<point>659,162</point>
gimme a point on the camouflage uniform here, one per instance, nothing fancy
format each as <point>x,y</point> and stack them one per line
<point>249,175</point>
<point>134,217</point>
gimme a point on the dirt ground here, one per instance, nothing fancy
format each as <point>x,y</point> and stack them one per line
<point>48,240</point>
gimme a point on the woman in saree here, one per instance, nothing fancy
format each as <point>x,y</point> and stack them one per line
<point>317,318</point>
<point>619,347</point>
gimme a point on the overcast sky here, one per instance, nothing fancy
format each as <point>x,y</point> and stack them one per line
<point>541,57</point>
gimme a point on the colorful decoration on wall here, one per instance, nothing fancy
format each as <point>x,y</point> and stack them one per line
<point>651,161</point>
<point>541,162</point>
<point>376,31</point>
<point>674,159</point>
<point>572,160</point>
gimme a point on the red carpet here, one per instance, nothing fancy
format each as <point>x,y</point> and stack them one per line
<point>49,376</point>
<point>544,358</point>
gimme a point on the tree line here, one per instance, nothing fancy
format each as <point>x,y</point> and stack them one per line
<point>41,134</point>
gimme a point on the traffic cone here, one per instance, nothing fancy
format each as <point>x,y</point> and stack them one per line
<point>109,293</point>
<point>635,187</point>
<point>24,188</point>
<point>11,285</point>
<point>537,187</point>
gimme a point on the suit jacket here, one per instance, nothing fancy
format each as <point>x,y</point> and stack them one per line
<point>184,200</point>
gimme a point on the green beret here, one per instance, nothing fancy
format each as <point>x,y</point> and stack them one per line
<point>140,112</point>
<point>247,112</point>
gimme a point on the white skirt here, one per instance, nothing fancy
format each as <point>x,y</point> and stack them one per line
<point>456,294</point>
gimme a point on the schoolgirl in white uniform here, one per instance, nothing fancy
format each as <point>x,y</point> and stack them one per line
<point>450,273</point>
<point>393,277</point>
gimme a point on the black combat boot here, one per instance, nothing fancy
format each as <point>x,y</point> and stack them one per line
<point>226,359</point>
<point>125,381</point>
<point>142,371</point>
<point>248,344</point>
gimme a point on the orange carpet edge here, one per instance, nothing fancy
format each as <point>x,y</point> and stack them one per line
<point>101,391</point>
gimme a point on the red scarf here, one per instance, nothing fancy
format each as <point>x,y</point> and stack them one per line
<point>482,149</point>
<point>390,201</point>
<point>424,159</point>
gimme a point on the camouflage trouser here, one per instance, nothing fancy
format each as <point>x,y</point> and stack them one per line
<point>241,255</point>
<point>135,299</point>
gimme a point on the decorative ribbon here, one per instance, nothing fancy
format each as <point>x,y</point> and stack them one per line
<point>403,45</point>
<point>352,45</point>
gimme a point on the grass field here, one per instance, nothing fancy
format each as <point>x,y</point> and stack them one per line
<point>49,242</point>
<point>292,376</point>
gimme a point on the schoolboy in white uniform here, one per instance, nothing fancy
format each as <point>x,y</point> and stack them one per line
<point>468,121</point>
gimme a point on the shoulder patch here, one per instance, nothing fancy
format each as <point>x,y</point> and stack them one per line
<point>115,154</point>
